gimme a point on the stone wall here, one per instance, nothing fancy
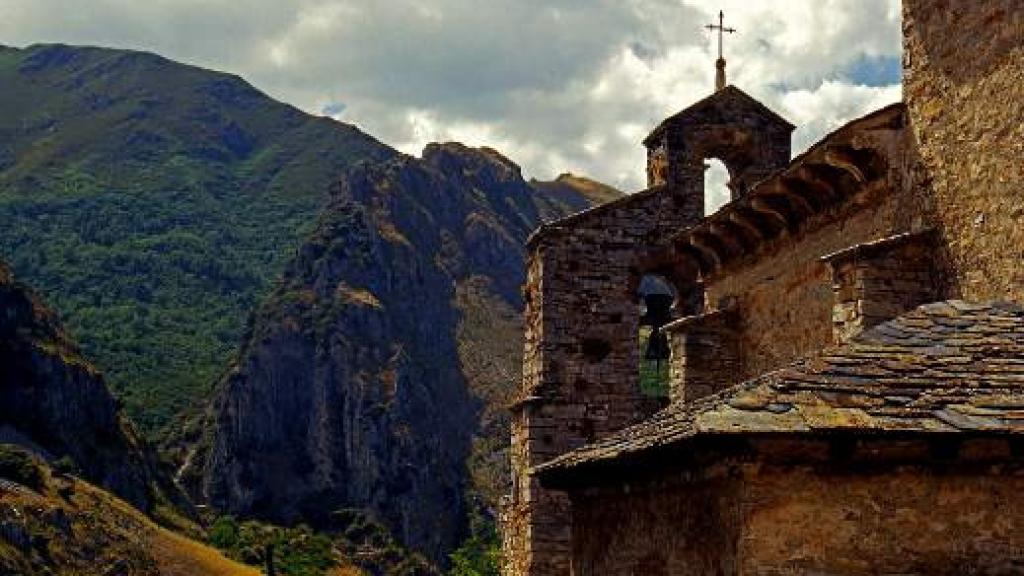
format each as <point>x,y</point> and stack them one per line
<point>705,354</point>
<point>964,83</point>
<point>657,529</point>
<point>883,523</point>
<point>581,363</point>
<point>752,516</point>
<point>784,296</point>
<point>751,140</point>
<point>878,281</point>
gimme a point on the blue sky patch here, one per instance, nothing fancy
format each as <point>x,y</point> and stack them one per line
<point>333,109</point>
<point>874,71</point>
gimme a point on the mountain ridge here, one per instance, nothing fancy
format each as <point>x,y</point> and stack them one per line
<point>158,197</point>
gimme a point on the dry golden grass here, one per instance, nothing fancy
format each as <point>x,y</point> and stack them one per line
<point>103,531</point>
<point>348,570</point>
<point>389,232</point>
<point>359,296</point>
<point>595,191</point>
<point>178,556</point>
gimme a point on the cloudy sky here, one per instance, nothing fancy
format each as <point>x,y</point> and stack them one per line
<point>557,85</point>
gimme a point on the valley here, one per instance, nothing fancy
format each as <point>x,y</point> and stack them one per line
<point>283,320</point>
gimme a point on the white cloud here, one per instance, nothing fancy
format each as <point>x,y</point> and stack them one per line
<point>829,106</point>
<point>555,84</point>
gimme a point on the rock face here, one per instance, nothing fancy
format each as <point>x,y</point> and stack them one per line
<point>352,388</point>
<point>55,403</point>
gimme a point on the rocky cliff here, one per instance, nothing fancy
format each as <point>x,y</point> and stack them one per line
<point>374,375</point>
<point>55,403</point>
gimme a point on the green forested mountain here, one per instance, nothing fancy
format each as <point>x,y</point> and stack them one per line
<point>155,204</point>
<point>152,203</point>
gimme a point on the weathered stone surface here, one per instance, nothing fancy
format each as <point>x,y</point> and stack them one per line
<point>769,269</point>
<point>747,518</point>
<point>749,138</point>
<point>963,72</point>
<point>584,383</point>
<point>835,246</point>
<point>875,281</point>
<point>705,354</point>
<point>903,375</point>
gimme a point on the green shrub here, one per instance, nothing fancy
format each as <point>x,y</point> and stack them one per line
<point>297,551</point>
<point>479,555</point>
<point>17,465</point>
<point>224,533</point>
<point>65,465</point>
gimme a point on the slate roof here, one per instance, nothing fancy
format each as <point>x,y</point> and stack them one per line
<point>944,367</point>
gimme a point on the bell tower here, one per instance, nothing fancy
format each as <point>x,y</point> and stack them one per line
<point>749,138</point>
<point>583,320</point>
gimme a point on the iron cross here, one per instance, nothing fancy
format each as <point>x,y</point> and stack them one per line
<point>721,30</point>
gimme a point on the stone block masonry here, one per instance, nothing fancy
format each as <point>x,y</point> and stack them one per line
<point>963,71</point>
<point>877,281</point>
<point>582,359</point>
<point>705,354</point>
<point>581,368</point>
<point>749,515</point>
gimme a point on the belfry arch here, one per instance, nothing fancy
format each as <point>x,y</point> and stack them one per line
<point>747,137</point>
<point>716,185</point>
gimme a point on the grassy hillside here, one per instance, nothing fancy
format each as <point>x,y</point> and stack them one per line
<point>59,525</point>
<point>53,524</point>
<point>152,203</point>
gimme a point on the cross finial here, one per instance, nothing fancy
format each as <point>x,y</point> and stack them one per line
<point>720,63</point>
<point>721,30</point>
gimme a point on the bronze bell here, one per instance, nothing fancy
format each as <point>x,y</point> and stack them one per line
<point>657,346</point>
<point>657,313</point>
<point>657,310</point>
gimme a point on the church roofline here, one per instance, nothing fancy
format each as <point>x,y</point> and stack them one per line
<point>948,367</point>
<point>567,221</point>
<point>740,204</point>
<point>775,204</point>
<point>694,108</point>
<point>869,249</point>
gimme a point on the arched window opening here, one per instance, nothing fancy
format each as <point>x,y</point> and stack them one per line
<point>716,189</point>
<point>656,297</point>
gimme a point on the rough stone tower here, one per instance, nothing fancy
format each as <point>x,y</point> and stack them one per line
<point>581,377</point>
<point>963,67</point>
<point>750,139</point>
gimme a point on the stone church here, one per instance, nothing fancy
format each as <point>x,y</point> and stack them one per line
<point>842,342</point>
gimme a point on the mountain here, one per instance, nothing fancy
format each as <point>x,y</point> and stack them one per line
<point>576,192</point>
<point>153,203</point>
<point>376,374</point>
<point>59,427</point>
<point>54,402</point>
